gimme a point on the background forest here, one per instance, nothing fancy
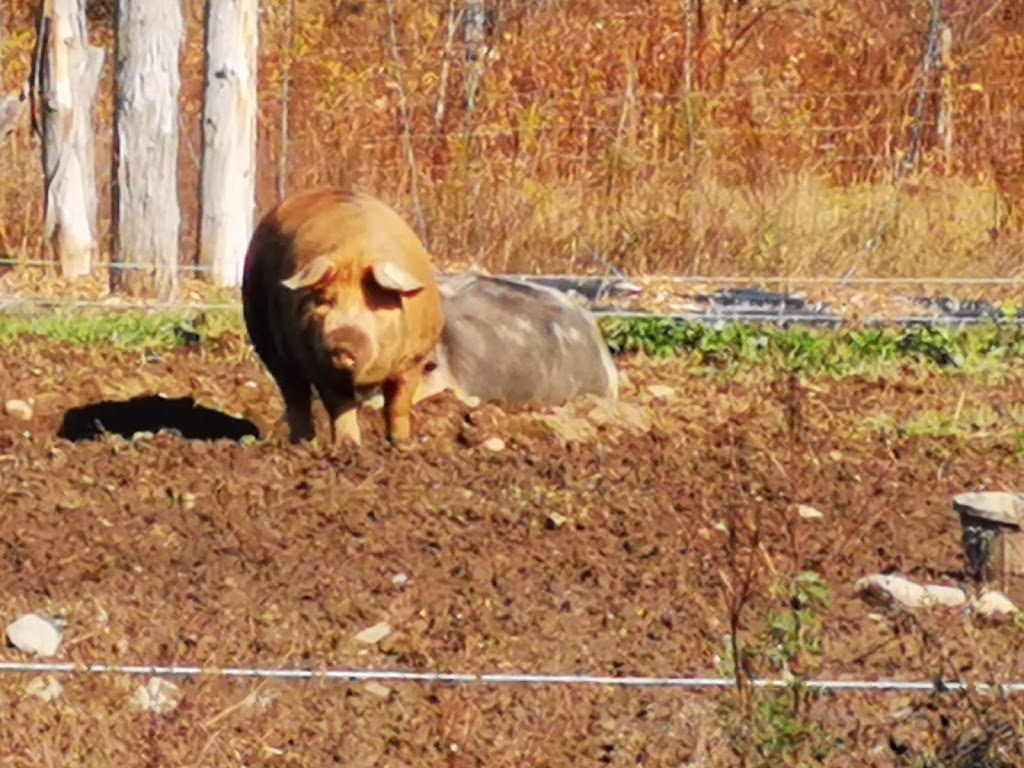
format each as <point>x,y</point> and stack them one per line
<point>685,136</point>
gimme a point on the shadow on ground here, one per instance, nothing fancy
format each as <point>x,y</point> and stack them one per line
<point>152,413</point>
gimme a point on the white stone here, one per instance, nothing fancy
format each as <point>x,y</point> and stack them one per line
<point>494,444</point>
<point>399,579</point>
<point>46,688</point>
<point>374,634</point>
<point>886,589</point>
<point>19,409</point>
<point>158,695</point>
<point>376,689</point>
<point>808,512</point>
<point>34,634</point>
<point>994,605</point>
<point>661,391</point>
<point>258,702</point>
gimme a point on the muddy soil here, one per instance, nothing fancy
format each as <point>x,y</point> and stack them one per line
<point>597,540</point>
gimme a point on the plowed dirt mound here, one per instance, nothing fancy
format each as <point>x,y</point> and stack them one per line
<point>596,541</point>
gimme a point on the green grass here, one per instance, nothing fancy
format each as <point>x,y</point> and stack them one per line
<point>993,351</point>
<point>120,329</point>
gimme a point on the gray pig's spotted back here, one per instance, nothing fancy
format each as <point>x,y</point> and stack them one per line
<point>518,342</point>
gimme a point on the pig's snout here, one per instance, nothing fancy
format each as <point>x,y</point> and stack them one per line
<point>349,347</point>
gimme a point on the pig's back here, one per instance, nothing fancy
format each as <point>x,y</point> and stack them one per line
<point>355,227</point>
<point>514,341</point>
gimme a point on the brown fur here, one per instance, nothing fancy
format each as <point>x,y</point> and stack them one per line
<point>340,296</point>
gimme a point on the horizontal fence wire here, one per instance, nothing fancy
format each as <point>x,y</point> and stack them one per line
<point>656,278</point>
<point>502,678</point>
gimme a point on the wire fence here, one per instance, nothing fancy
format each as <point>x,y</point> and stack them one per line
<point>505,678</point>
<point>519,180</point>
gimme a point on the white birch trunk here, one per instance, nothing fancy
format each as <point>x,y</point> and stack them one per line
<point>146,211</point>
<point>944,124</point>
<point>69,75</point>
<point>476,16</point>
<point>228,184</point>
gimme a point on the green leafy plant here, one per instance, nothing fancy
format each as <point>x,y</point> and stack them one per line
<point>739,346</point>
<point>777,724</point>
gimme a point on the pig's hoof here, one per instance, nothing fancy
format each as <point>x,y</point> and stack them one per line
<point>405,446</point>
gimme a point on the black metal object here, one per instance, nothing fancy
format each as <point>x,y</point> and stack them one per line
<point>754,299</point>
<point>971,309</point>
<point>753,305</point>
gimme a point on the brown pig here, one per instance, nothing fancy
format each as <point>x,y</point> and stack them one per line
<point>339,295</point>
<point>514,341</point>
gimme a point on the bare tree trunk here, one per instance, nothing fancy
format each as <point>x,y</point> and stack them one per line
<point>474,30</point>
<point>944,124</point>
<point>146,212</point>
<point>68,73</point>
<point>228,184</point>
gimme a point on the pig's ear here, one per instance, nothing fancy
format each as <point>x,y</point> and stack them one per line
<point>391,276</point>
<point>315,272</point>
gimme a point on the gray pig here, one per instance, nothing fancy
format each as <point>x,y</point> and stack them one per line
<point>516,342</point>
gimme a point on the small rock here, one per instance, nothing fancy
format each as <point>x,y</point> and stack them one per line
<point>994,606</point>
<point>555,520</point>
<point>19,409</point>
<point>494,444</point>
<point>258,702</point>
<point>34,634</point>
<point>887,589</point>
<point>159,696</point>
<point>470,401</point>
<point>399,579</point>
<point>808,512</point>
<point>374,634</point>
<point>661,391</point>
<point>46,688</point>
<point>376,689</point>
<point>618,413</point>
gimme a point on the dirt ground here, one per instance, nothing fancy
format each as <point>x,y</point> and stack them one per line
<point>594,542</point>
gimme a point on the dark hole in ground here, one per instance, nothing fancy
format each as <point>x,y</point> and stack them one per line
<point>151,413</point>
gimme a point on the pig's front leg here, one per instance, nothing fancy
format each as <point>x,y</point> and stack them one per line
<point>346,425</point>
<point>398,399</point>
<point>344,416</point>
<point>298,407</point>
